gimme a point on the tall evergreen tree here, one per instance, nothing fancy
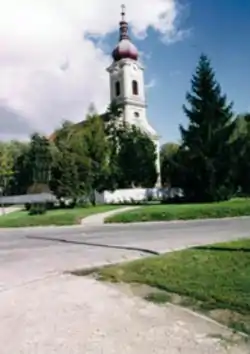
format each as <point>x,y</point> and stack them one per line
<point>167,156</point>
<point>64,180</point>
<point>206,151</point>
<point>22,174</point>
<point>241,145</point>
<point>40,158</point>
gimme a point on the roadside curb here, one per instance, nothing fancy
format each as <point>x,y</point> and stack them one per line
<point>167,222</point>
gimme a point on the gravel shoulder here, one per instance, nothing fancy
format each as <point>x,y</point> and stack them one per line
<point>68,314</point>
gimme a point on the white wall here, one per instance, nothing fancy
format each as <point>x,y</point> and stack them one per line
<point>128,195</point>
<point>121,196</point>
<point>132,70</point>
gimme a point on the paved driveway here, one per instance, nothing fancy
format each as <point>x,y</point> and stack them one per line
<point>45,311</point>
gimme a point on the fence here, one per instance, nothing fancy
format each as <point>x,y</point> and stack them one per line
<point>27,198</point>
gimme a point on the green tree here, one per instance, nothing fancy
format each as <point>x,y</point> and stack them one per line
<point>136,158</point>
<point>22,174</point>
<point>6,165</point>
<point>113,125</point>
<point>64,132</point>
<point>132,154</point>
<point>167,156</point>
<point>94,153</point>
<point>241,125</point>
<point>87,146</point>
<point>241,145</point>
<point>9,155</point>
<point>40,158</point>
<point>64,181</point>
<point>206,150</point>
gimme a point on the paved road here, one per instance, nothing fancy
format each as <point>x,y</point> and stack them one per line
<point>47,309</point>
<point>35,253</point>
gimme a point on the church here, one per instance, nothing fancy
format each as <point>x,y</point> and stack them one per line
<point>127,87</point>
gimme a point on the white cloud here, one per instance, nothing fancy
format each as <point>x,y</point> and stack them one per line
<point>151,84</point>
<point>49,71</point>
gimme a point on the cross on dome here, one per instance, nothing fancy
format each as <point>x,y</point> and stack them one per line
<point>123,12</point>
<point>123,25</point>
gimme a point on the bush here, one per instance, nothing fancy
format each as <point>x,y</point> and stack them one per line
<point>37,209</point>
<point>50,206</point>
<point>27,206</point>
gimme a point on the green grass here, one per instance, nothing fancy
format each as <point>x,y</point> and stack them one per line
<point>58,217</point>
<point>214,280</point>
<point>236,207</point>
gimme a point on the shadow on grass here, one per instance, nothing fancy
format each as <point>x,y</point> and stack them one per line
<point>82,243</point>
<point>222,249</point>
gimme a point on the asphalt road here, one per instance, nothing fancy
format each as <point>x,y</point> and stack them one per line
<point>51,312</point>
<point>29,254</point>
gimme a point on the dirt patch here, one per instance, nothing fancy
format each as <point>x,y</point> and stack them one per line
<point>234,320</point>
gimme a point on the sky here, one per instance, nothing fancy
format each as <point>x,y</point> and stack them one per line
<point>54,55</point>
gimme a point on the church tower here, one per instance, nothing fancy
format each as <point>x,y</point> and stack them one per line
<point>127,85</point>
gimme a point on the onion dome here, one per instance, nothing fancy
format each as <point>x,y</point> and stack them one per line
<point>125,48</point>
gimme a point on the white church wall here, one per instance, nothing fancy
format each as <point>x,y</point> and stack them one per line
<point>132,71</point>
<point>121,196</point>
<point>135,114</point>
<point>114,77</point>
<point>132,195</point>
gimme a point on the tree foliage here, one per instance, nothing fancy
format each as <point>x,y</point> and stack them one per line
<point>40,158</point>
<point>136,158</point>
<point>210,163</point>
<point>205,155</point>
<point>64,181</point>
<point>132,153</point>
<point>241,144</point>
<point>167,157</point>
<point>9,154</point>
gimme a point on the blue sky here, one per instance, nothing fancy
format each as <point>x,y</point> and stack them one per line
<point>219,28</point>
<point>51,71</point>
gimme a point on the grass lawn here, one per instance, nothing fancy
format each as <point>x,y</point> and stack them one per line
<point>212,279</point>
<point>163,212</point>
<point>58,217</point>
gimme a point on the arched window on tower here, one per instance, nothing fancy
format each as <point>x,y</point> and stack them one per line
<point>135,87</point>
<point>117,88</point>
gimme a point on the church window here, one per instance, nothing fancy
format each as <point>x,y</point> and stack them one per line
<point>135,87</point>
<point>117,88</point>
